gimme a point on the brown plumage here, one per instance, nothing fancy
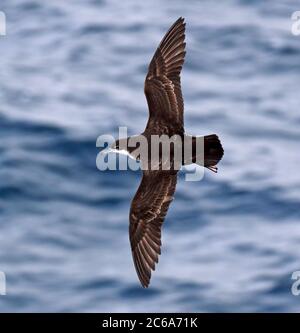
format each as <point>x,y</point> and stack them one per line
<point>162,84</point>
<point>165,102</point>
<point>155,193</point>
<point>148,210</point>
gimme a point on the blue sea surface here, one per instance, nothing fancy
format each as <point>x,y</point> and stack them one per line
<point>73,70</point>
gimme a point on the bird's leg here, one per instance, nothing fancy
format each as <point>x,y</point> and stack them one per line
<point>213,168</point>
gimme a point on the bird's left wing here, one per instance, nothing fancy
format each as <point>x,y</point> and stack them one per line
<point>148,210</point>
<point>162,84</point>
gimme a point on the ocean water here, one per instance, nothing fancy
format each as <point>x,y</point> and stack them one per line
<point>73,70</point>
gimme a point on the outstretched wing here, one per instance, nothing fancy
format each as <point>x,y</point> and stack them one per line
<point>148,210</point>
<point>162,84</point>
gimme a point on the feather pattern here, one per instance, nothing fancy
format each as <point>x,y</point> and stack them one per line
<point>162,84</point>
<point>148,210</point>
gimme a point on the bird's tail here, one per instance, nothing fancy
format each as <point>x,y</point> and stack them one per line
<point>213,152</point>
<point>207,151</point>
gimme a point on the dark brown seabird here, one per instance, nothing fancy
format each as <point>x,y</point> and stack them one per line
<point>155,193</point>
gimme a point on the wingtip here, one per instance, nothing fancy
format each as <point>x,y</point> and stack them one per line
<point>144,282</point>
<point>145,285</point>
<point>180,20</point>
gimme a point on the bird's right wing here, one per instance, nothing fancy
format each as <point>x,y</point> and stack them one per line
<point>148,210</point>
<point>162,84</point>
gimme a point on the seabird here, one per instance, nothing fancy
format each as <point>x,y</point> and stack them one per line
<point>155,193</point>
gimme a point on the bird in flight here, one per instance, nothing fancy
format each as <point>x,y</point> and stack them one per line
<point>155,193</point>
